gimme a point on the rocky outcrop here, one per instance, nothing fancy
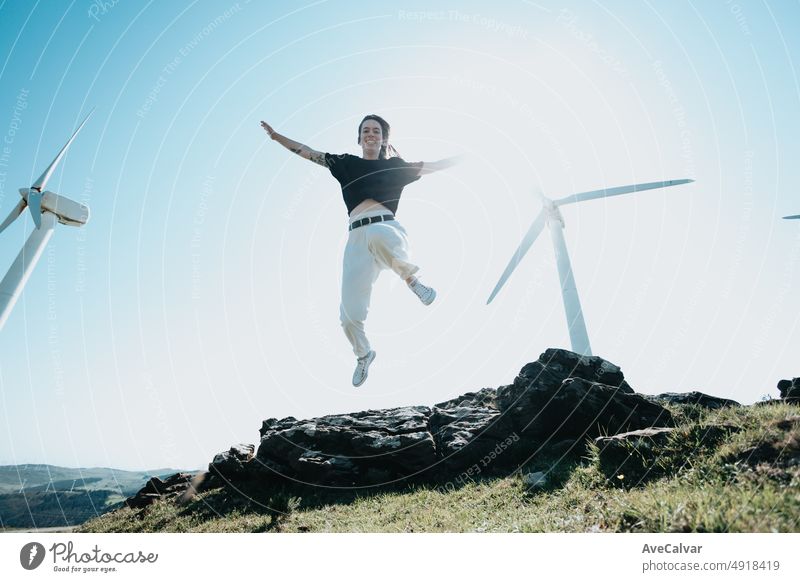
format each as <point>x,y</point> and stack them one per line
<point>178,486</point>
<point>233,462</point>
<point>561,397</point>
<point>555,405</point>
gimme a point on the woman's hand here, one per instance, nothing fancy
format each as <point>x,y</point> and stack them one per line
<point>272,133</point>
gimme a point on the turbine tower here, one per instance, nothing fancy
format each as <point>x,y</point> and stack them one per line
<point>551,215</point>
<point>46,208</point>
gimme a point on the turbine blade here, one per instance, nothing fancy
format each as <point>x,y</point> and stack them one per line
<point>42,181</point>
<point>530,237</point>
<point>786,217</point>
<point>35,206</point>
<point>607,192</point>
<point>15,212</point>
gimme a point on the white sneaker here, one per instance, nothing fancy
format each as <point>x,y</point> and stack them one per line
<point>362,367</point>
<point>425,294</point>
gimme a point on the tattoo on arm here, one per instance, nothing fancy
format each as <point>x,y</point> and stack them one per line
<point>306,152</point>
<point>318,158</point>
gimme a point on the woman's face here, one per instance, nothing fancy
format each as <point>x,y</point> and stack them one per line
<point>371,136</point>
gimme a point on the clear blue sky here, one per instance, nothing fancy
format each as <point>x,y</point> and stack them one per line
<point>202,297</point>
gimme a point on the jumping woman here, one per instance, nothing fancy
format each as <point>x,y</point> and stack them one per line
<point>371,187</point>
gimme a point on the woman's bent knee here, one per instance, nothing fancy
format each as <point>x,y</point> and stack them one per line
<point>351,317</point>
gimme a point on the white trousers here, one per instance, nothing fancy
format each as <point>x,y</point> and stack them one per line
<point>369,250</point>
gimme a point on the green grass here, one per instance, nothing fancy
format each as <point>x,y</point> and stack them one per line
<point>745,478</point>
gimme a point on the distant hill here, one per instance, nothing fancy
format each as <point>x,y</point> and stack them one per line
<point>33,496</point>
<point>15,478</point>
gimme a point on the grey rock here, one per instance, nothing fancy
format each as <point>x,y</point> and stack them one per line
<point>232,462</point>
<point>694,397</point>
<point>647,435</point>
<point>546,402</point>
<point>368,447</point>
<point>465,435</point>
<point>177,486</point>
<point>556,365</point>
<point>790,389</point>
<point>630,456</point>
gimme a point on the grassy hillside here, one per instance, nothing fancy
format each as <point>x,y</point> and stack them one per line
<point>746,480</point>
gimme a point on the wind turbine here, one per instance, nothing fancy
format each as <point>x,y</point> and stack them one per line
<point>46,208</point>
<point>791,217</point>
<point>551,215</point>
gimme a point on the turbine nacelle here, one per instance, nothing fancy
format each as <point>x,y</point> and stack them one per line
<point>552,211</point>
<point>67,211</point>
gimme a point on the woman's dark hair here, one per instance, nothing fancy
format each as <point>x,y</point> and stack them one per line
<point>385,129</point>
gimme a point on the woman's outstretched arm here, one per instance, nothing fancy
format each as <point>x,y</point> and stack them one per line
<point>430,167</point>
<point>301,150</point>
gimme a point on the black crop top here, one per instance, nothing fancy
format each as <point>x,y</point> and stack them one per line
<point>381,180</point>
